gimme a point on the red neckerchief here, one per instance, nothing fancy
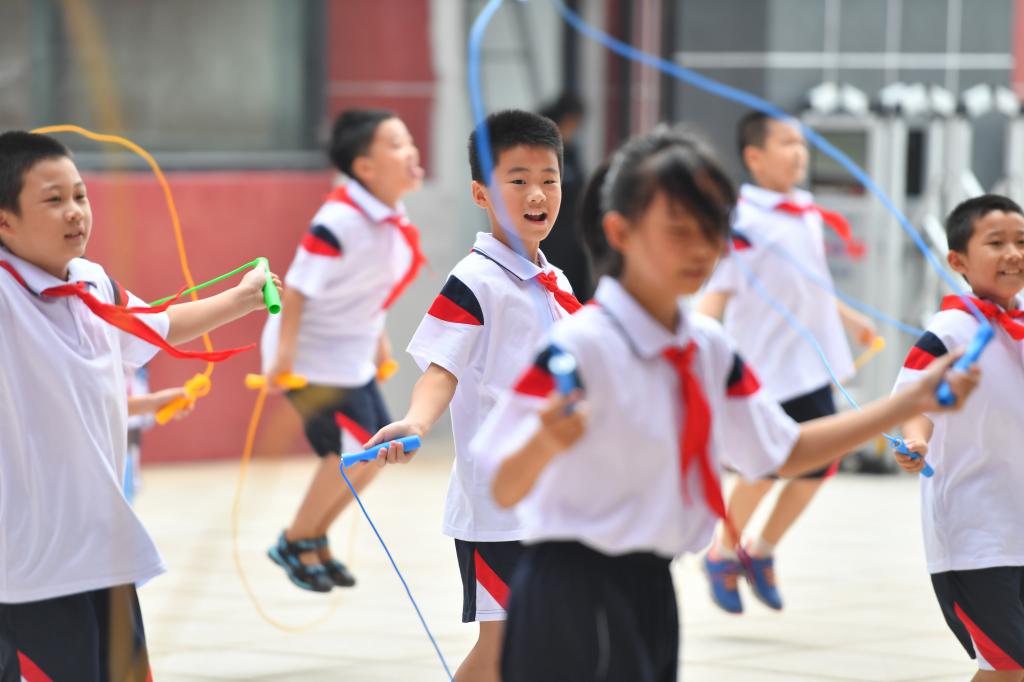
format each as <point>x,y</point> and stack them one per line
<point>991,311</point>
<point>696,431</point>
<point>409,233</point>
<point>124,318</point>
<point>838,223</point>
<point>568,302</point>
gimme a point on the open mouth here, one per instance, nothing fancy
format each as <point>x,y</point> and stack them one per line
<point>74,235</point>
<point>538,217</point>
<point>1010,273</point>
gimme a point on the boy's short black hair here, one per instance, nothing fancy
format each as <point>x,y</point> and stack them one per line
<point>19,152</point>
<point>960,223</point>
<point>353,134</point>
<point>512,128</point>
<point>752,130</point>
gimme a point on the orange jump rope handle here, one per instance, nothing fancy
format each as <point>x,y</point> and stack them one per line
<point>387,370</point>
<point>196,387</point>
<point>288,381</point>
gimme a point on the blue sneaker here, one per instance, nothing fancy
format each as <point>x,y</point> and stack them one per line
<point>761,576</point>
<point>724,579</point>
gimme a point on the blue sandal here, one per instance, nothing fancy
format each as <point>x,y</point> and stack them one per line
<point>286,555</point>
<point>337,571</point>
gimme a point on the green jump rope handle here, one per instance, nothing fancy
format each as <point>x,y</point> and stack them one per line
<point>271,296</point>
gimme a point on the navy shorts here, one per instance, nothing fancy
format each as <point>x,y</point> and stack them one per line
<point>578,614</point>
<point>486,569</point>
<point>96,636</point>
<point>810,406</point>
<point>985,610</point>
<point>318,405</point>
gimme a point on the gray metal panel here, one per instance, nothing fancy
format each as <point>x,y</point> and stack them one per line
<point>796,25</point>
<point>987,26</point>
<point>721,25</point>
<point>863,26</point>
<point>923,26</point>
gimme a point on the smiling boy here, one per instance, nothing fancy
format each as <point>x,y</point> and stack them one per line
<point>480,328</point>
<point>71,548</point>
<point>971,509</point>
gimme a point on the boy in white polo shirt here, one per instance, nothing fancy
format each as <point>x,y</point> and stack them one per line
<point>972,507</point>
<point>71,548</point>
<point>492,310</point>
<point>773,217</point>
<point>359,255</point>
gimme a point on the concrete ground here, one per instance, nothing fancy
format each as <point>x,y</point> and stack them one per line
<point>858,601</point>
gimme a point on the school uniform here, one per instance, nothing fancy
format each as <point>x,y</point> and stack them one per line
<point>972,507</point>
<point>593,598</point>
<point>357,258</point>
<point>71,547</point>
<point>483,328</point>
<point>770,230</point>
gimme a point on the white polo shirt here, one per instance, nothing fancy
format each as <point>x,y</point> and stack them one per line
<point>345,266</point>
<point>786,363</point>
<point>483,327</point>
<point>65,526</point>
<point>618,489</point>
<point>972,508</point>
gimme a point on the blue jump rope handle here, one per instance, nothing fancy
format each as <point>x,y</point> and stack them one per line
<point>410,443</point>
<point>563,368</point>
<point>944,394</point>
<point>901,447</point>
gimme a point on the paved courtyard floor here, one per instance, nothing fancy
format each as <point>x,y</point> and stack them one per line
<point>858,601</point>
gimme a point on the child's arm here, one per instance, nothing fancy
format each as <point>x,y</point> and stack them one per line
<point>859,326</point>
<point>559,429</point>
<point>822,440</point>
<point>917,431</point>
<point>151,402</point>
<point>713,304</point>
<point>383,349</point>
<point>430,398</point>
<point>195,318</point>
<point>292,304</point>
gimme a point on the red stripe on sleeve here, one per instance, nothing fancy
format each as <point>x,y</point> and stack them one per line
<point>536,382</point>
<point>747,385</point>
<point>313,244</point>
<point>486,576</point>
<point>443,308</point>
<point>989,650</point>
<point>739,243</point>
<point>918,359</point>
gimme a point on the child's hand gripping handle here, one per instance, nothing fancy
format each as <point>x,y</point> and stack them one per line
<point>271,297</point>
<point>563,368</point>
<point>195,388</point>
<point>409,443</point>
<point>901,447</point>
<point>944,394</point>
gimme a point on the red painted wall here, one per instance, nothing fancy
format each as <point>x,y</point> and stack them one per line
<point>379,56</point>
<point>1018,48</point>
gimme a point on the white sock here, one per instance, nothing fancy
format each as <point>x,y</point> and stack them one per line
<point>720,551</point>
<point>761,548</point>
